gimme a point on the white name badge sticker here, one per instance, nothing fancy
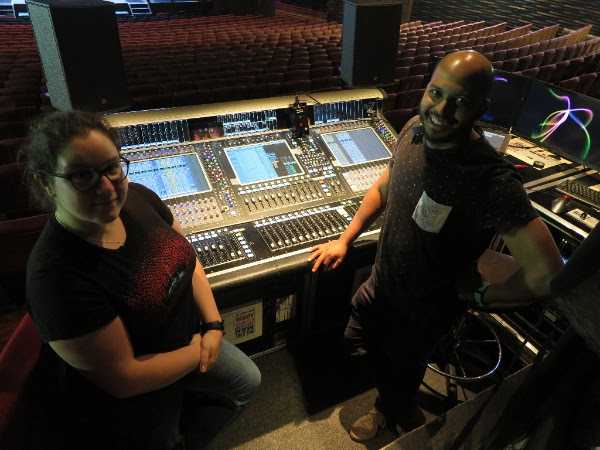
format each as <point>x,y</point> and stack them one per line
<point>430,215</point>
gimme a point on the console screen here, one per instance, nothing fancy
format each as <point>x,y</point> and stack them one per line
<point>564,121</point>
<point>356,146</point>
<point>171,176</point>
<point>262,162</point>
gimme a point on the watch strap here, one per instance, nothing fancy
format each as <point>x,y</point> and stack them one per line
<point>479,294</point>
<point>215,325</point>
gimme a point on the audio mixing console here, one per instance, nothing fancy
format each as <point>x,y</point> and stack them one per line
<point>246,187</point>
<point>254,189</point>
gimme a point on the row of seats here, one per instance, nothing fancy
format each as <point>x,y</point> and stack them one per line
<point>308,69</point>
<point>555,73</point>
<point>532,54</point>
<point>586,83</point>
<point>581,56</point>
<point>286,62</point>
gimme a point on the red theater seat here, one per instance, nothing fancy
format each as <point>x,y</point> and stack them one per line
<point>571,83</point>
<point>546,72</point>
<point>398,117</point>
<point>419,69</point>
<point>560,54</point>
<point>18,360</point>
<point>411,82</point>
<point>511,65</point>
<point>538,59</point>
<point>532,73</point>
<point>586,82</point>
<point>295,86</point>
<point>524,62</point>
<point>575,66</point>
<point>324,83</point>
<point>409,99</point>
<point>512,53</point>
<point>524,51</point>
<point>549,57</point>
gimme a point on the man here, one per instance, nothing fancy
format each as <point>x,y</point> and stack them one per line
<point>444,195</point>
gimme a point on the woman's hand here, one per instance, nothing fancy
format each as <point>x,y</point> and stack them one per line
<point>331,254</point>
<point>210,346</point>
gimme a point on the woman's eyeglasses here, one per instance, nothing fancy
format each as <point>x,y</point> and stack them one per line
<point>86,179</point>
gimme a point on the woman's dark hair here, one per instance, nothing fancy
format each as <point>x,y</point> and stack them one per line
<point>47,138</point>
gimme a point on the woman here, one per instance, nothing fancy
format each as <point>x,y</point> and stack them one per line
<point>120,297</point>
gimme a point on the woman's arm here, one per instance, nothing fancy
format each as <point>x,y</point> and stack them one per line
<point>202,292</point>
<point>106,358</point>
<point>207,307</point>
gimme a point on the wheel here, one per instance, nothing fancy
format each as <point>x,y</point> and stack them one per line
<point>471,351</point>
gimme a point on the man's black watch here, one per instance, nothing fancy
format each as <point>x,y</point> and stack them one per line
<point>216,325</point>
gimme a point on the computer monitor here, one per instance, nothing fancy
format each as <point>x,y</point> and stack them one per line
<point>508,93</point>
<point>170,176</point>
<point>262,162</point>
<point>355,146</point>
<point>566,122</point>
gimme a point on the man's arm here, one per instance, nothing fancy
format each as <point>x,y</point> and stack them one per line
<point>331,254</point>
<point>538,260</point>
<point>371,206</point>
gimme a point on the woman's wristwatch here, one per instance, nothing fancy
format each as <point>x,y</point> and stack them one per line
<point>216,325</point>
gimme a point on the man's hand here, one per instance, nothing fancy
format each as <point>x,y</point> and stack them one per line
<point>210,346</point>
<point>330,254</point>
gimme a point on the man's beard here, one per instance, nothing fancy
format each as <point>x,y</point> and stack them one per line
<point>453,136</point>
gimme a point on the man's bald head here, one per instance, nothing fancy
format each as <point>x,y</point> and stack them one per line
<point>469,68</point>
<point>455,97</point>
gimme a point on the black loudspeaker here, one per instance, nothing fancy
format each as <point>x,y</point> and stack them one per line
<point>370,33</point>
<point>78,42</point>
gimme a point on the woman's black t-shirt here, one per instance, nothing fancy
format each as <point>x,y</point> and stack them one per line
<point>74,288</point>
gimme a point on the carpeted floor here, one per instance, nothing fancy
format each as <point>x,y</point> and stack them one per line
<point>278,417</point>
<point>307,400</point>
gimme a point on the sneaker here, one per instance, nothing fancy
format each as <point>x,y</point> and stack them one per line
<point>367,426</point>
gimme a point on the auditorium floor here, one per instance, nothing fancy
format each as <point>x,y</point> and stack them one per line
<point>285,413</point>
<point>278,417</point>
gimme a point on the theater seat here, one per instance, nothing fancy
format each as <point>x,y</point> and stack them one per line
<point>546,72</point>
<point>17,362</point>
<point>586,82</point>
<point>571,83</point>
<point>532,73</point>
<point>14,196</point>
<point>398,117</point>
<point>17,238</point>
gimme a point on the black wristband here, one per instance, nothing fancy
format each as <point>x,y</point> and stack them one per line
<point>479,294</point>
<point>216,325</point>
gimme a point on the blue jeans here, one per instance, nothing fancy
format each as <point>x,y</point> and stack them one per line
<point>193,410</point>
<point>196,408</point>
<point>213,399</point>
